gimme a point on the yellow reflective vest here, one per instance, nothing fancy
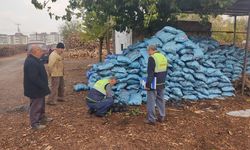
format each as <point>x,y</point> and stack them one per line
<point>161,62</point>
<point>100,85</point>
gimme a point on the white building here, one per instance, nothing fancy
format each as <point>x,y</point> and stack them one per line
<point>4,39</point>
<point>15,39</point>
<point>122,40</point>
<point>49,39</point>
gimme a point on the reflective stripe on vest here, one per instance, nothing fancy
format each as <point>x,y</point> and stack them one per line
<point>161,62</point>
<point>100,86</point>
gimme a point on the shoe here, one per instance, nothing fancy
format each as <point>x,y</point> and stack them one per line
<point>45,120</point>
<point>60,100</point>
<point>51,103</point>
<point>149,122</point>
<point>91,111</point>
<point>100,115</point>
<point>39,127</point>
<point>160,119</point>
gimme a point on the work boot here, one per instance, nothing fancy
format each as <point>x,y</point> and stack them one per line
<point>91,111</point>
<point>160,119</point>
<point>45,120</point>
<point>149,122</point>
<point>38,127</point>
<point>60,100</point>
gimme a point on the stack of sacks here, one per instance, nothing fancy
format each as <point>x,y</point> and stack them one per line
<point>228,58</point>
<point>190,76</point>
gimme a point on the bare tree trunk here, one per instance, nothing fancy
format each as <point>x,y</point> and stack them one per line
<point>107,44</point>
<point>100,48</point>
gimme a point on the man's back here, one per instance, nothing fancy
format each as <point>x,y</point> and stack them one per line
<point>35,78</point>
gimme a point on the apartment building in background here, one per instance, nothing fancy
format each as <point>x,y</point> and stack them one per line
<point>16,39</point>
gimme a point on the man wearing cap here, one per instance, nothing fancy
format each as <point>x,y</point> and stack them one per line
<point>36,87</point>
<point>56,72</point>
<point>157,68</point>
<point>100,97</point>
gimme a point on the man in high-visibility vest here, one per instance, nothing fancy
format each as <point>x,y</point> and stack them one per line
<point>157,68</point>
<point>100,97</point>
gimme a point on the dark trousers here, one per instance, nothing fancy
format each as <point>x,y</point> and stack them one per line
<point>101,107</point>
<point>37,110</point>
<point>57,89</point>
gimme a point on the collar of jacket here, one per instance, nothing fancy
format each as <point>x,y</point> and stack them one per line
<point>31,56</point>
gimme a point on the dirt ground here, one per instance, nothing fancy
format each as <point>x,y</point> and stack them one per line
<point>201,125</point>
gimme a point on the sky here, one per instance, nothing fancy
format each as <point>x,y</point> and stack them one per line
<point>31,19</point>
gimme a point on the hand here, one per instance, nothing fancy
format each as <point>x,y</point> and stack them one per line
<point>147,89</point>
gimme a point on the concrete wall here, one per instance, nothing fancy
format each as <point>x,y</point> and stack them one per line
<point>121,41</point>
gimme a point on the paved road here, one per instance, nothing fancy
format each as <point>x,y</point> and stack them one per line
<point>11,82</point>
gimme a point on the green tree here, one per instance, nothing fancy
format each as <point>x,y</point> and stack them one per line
<point>138,15</point>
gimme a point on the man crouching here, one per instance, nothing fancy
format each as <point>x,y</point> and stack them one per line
<point>100,97</point>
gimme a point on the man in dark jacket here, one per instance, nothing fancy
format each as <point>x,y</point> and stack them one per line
<point>36,87</point>
<point>157,69</point>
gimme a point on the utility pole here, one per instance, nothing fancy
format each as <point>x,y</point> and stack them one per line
<point>18,29</point>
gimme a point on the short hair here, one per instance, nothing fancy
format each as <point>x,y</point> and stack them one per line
<point>60,45</point>
<point>153,47</point>
<point>35,47</point>
<point>113,78</point>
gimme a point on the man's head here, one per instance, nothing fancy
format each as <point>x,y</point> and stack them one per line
<point>152,49</point>
<point>60,48</point>
<point>112,81</point>
<point>36,51</point>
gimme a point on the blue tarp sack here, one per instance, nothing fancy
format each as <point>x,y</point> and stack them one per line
<point>165,37</point>
<point>134,71</point>
<point>119,70</point>
<point>170,30</point>
<point>81,87</point>
<point>134,55</point>
<point>135,65</point>
<point>154,41</point>
<point>121,75</point>
<point>123,59</point>
<point>181,37</point>
<point>135,99</point>
<point>105,66</point>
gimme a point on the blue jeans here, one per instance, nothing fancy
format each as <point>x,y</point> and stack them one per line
<point>101,107</point>
<point>155,97</point>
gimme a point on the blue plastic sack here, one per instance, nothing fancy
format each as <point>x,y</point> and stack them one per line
<point>170,30</point>
<point>181,37</point>
<point>105,72</point>
<point>154,41</point>
<point>121,75</point>
<point>105,66</point>
<point>135,99</point>
<point>119,70</point>
<point>165,37</point>
<point>228,89</point>
<point>133,87</point>
<point>134,55</point>
<point>81,87</point>
<point>134,71</point>
<point>123,59</point>
<point>135,65</point>
<point>177,92</point>
<point>121,86</point>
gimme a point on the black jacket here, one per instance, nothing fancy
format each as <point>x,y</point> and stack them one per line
<point>161,76</point>
<point>35,78</point>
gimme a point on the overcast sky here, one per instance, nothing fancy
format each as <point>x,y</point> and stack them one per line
<point>31,19</point>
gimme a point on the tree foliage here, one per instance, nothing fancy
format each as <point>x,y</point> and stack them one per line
<point>138,15</point>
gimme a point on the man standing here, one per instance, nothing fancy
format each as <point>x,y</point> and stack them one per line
<point>100,97</point>
<point>157,68</point>
<point>56,72</point>
<point>36,87</point>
